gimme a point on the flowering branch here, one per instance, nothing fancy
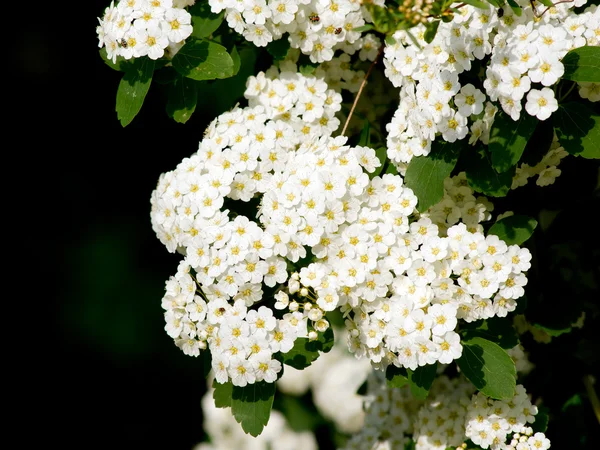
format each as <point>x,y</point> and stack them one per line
<point>362,85</point>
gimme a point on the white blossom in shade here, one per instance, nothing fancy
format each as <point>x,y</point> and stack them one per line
<point>589,90</point>
<point>541,103</point>
<point>469,100</point>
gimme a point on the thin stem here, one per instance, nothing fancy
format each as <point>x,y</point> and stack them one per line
<point>385,167</point>
<point>362,85</point>
<point>562,97</point>
<point>589,387</point>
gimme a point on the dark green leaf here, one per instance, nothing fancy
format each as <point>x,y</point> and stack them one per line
<point>120,64</point>
<point>425,175</point>
<point>509,138</point>
<point>431,30</point>
<point>183,97</point>
<point>582,64</point>
<point>538,145</point>
<point>482,177</point>
<point>237,61</point>
<point>365,136</point>
<point>578,129</point>
<point>495,329</point>
<point>222,394</point>
<point>204,21</point>
<point>278,48</point>
<point>514,229</point>
<point>421,379</point>
<point>203,60</point>
<point>554,332</point>
<point>547,3</point>
<point>515,7</point>
<point>133,88</point>
<point>396,376</point>
<point>304,352</point>
<point>488,367</point>
<point>221,95</point>
<point>540,425</point>
<point>251,405</point>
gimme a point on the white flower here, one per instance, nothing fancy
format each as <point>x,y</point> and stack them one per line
<point>541,103</point>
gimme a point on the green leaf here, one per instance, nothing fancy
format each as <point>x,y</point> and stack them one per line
<point>514,229</point>
<point>396,376</point>
<point>222,394</point>
<point>366,27</point>
<point>540,425</point>
<point>539,143</point>
<point>578,129</point>
<point>495,329</point>
<point>383,20</point>
<point>278,48</point>
<point>133,88</point>
<point>251,405</point>
<point>237,60</point>
<point>515,7</point>
<point>554,332</point>
<point>488,367</point>
<point>299,416</point>
<point>476,3</point>
<point>365,136</point>
<point>221,95</point>
<point>421,379</point>
<point>204,21</point>
<point>496,3</point>
<point>203,60</point>
<point>509,138</point>
<point>547,3</point>
<point>482,177</point>
<point>431,30</point>
<point>425,175</point>
<point>182,100</point>
<point>120,64</point>
<point>582,64</point>
<point>304,352</point>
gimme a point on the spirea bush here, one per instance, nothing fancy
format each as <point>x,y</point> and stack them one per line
<point>355,219</point>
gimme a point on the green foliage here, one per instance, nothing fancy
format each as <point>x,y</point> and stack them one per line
<point>133,88</point>
<point>305,351</point>
<point>514,229</point>
<point>222,394</point>
<point>496,329</point>
<point>508,139</point>
<point>182,100</point>
<point>578,129</point>
<point>425,175</point>
<point>396,376</point>
<point>203,60</point>
<point>582,64</point>
<point>481,175</point>
<point>278,49</point>
<point>421,379</point>
<point>251,405</point>
<point>488,367</point>
<point>204,21</point>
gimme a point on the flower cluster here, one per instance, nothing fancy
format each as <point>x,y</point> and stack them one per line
<point>452,414</point>
<point>546,170</point>
<point>229,261</point>
<point>136,28</point>
<point>521,57</point>
<point>316,27</point>
<point>490,423</point>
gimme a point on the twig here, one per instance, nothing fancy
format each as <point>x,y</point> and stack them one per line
<point>362,85</point>
<point>589,387</point>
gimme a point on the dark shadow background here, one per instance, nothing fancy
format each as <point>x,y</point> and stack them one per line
<point>95,368</point>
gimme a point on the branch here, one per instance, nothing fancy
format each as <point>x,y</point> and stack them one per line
<point>362,85</point>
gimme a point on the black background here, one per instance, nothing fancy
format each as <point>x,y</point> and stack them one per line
<point>95,368</point>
